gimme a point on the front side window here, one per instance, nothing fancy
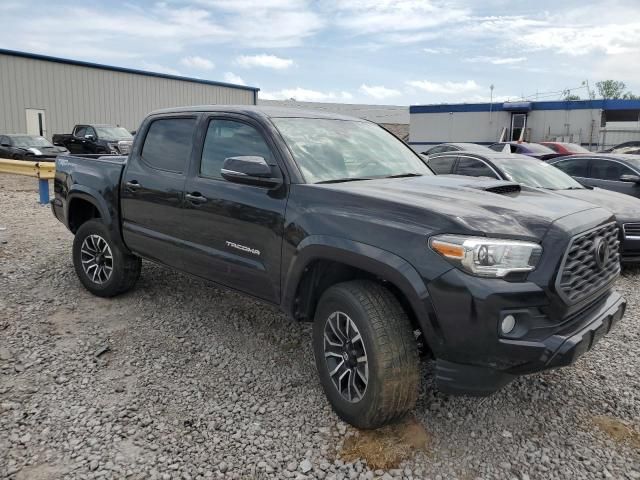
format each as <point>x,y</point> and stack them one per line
<point>474,168</point>
<point>327,150</point>
<point>442,165</point>
<point>577,167</point>
<point>80,132</point>
<point>167,145</point>
<point>607,170</point>
<point>90,131</point>
<point>230,138</point>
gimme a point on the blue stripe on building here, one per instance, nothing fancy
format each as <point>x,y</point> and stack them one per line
<point>528,106</point>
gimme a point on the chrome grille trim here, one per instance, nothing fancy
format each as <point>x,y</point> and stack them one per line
<point>631,230</point>
<point>579,276</point>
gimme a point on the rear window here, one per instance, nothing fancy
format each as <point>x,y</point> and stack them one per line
<point>168,143</point>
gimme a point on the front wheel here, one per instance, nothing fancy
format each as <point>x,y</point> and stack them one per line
<point>102,266</point>
<point>365,353</point>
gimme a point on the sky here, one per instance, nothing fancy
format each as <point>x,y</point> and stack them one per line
<point>398,52</point>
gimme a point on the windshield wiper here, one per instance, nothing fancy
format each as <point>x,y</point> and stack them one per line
<point>348,179</point>
<point>402,175</point>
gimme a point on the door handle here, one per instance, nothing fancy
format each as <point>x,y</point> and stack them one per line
<point>196,198</point>
<point>133,185</point>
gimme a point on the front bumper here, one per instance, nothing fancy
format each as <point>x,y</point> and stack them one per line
<point>557,350</point>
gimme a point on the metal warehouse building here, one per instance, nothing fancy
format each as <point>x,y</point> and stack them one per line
<point>43,95</point>
<point>594,123</point>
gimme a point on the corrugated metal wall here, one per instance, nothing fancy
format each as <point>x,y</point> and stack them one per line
<point>72,94</point>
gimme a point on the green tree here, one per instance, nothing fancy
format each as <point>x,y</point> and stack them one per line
<point>572,96</point>
<point>611,89</point>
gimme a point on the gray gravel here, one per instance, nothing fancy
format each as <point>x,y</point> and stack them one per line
<point>182,380</point>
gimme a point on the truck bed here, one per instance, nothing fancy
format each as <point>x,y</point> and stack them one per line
<point>88,176</point>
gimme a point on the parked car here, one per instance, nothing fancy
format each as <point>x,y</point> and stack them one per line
<point>456,147</point>
<point>96,139</point>
<point>530,149</point>
<point>534,173</point>
<point>611,171</point>
<point>621,146</point>
<point>28,147</point>
<point>337,222</point>
<point>565,148</point>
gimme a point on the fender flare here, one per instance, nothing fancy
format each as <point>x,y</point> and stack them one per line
<point>381,263</point>
<point>82,192</point>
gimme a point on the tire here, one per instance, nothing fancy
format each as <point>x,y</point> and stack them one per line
<point>104,282</point>
<point>389,347</point>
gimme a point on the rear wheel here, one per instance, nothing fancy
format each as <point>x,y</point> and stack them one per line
<point>102,266</point>
<point>365,353</point>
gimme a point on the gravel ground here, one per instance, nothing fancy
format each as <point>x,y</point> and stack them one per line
<point>180,379</point>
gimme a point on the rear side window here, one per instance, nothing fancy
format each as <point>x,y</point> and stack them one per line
<point>577,167</point>
<point>442,165</point>
<point>474,168</point>
<point>606,170</point>
<point>229,138</point>
<point>168,143</point>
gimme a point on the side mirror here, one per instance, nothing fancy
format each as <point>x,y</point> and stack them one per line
<point>249,170</point>
<point>4,145</point>
<point>91,138</point>
<point>630,178</point>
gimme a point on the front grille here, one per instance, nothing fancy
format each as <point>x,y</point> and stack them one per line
<point>580,273</point>
<point>631,229</point>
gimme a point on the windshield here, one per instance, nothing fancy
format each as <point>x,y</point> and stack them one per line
<point>574,147</point>
<point>535,173</point>
<point>28,141</point>
<point>115,133</point>
<point>328,150</point>
<point>536,148</point>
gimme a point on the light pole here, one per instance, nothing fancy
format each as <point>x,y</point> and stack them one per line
<point>490,102</point>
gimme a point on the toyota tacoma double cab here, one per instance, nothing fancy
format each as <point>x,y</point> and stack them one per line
<point>337,222</point>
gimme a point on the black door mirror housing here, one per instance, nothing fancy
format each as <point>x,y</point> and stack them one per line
<point>630,178</point>
<point>250,170</point>
<point>4,145</point>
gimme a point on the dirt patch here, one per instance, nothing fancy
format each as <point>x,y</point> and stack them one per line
<point>618,430</point>
<point>386,447</point>
<point>40,472</point>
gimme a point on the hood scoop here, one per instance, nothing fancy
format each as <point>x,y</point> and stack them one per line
<point>504,188</point>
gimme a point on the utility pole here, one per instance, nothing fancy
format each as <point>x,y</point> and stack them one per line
<point>490,102</point>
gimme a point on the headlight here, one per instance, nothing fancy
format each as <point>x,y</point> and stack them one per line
<point>487,257</point>
<point>113,147</point>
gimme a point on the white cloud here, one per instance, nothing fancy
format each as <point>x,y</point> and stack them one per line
<point>379,92</point>
<point>445,87</point>
<point>305,95</point>
<point>496,60</point>
<point>231,77</point>
<point>198,63</point>
<point>438,51</point>
<point>157,68</point>
<point>263,60</point>
<point>376,16</point>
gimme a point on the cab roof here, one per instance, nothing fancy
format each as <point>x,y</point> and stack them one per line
<point>258,111</point>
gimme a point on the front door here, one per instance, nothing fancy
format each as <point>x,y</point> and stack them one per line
<point>36,124</point>
<point>518,124</point>
<point>607,173</point>
<point>152,190</point>
<point>234,231</point>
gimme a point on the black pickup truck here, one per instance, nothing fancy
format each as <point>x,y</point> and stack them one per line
<point>338,223</point>
<point>95,139</point>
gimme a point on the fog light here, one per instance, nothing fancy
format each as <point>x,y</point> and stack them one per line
<point>508,323</point>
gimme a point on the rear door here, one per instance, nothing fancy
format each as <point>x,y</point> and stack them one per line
<point>578,168</point>
<point>606,174</point>
<point>152,189</point>
<point>234,231</point>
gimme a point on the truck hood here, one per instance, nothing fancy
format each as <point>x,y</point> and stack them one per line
<point>625,207</point>
<point>467,204</point>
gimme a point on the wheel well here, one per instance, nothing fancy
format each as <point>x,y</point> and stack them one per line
<point>319,275</point>
<point>81,211</point>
